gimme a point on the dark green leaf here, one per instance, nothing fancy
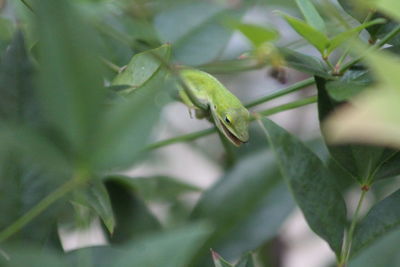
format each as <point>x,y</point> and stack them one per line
<point>384,252</point>
<point>305,63</point>
<point>311,14</point>
<point>383,218</point>
<point>390,167</point>
<point>350,84</point>
<point>170,249</point>
<point>22,186</point>
<point>133,218</point>
<point>17,99</point>
<point>195,31</point>
<point>156,188</point>
<point>95,196</point>
<point>361,161</point>
<point>248,206</point>
<point>71,83</point>
<point>321,203</point>
<point>28,255</point>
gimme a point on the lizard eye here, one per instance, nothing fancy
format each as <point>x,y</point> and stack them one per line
<point>227,120</point>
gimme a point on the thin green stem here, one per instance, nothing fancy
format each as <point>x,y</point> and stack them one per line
<point>345,255</point>
<point>379,44</point>
<point>27,5</point>
<point>288,106</point>
<point>41,207</point>
<point>199,134</point>
<point>295,87</point>
<point>111,65</point>
<point>230,66</point>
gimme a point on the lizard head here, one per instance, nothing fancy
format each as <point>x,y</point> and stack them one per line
<point>233,123</point>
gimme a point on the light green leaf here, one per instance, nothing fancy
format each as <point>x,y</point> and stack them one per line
<point>390,7</point>
<point>383,218</point>
<point>321,203</point>
<point>346,36</point>
<point>258,35</point>
<point>311,14</point>
<point>316,38</point>
<point>141,68</point>
<point>127,125</point>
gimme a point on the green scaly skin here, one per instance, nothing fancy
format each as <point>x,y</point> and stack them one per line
<point>227,112</point>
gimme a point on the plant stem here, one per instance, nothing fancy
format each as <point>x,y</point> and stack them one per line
<point>41,207</point>
<point>27,5</point>
<point>111,65</point>
<point>234,65</point>
<point>344,257</point>
<point>379,44</point>
<point>295,87</point>
<point>267,112</point>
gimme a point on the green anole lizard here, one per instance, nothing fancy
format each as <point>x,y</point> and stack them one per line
<point>225,109</point>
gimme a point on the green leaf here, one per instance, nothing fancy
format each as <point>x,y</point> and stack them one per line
<point>141,68</point>
<point>390,7</point>
<point>170,249</point>
<point>22,186</point>
<point>245,219</point>
<point>311,15</point>
<point>305,63</point>
<point>95,196</point>
<point>133,218</point>
<point>17,97</point>
<point>258,35</point>
<point>28,255</point>
<point>195,30</point>
<point>246,261</point>
<point>156,188</point>
<point>350,84</point>
<point>321,203</point>
<point>316,38</point>
<point>361,161</point>
<point>127,125</point>
<point>346,36</point>
<point>71,84</point>
<point>173,248</point>
<point>383,252</point>
<point>383,218</point>
<point>219,261</point>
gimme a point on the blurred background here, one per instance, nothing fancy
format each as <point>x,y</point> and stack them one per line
<point>204,35</point>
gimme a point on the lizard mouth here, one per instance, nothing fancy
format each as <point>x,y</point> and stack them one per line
<point>232,137</point>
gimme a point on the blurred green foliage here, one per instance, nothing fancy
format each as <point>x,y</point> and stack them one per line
<point>83,84</point>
